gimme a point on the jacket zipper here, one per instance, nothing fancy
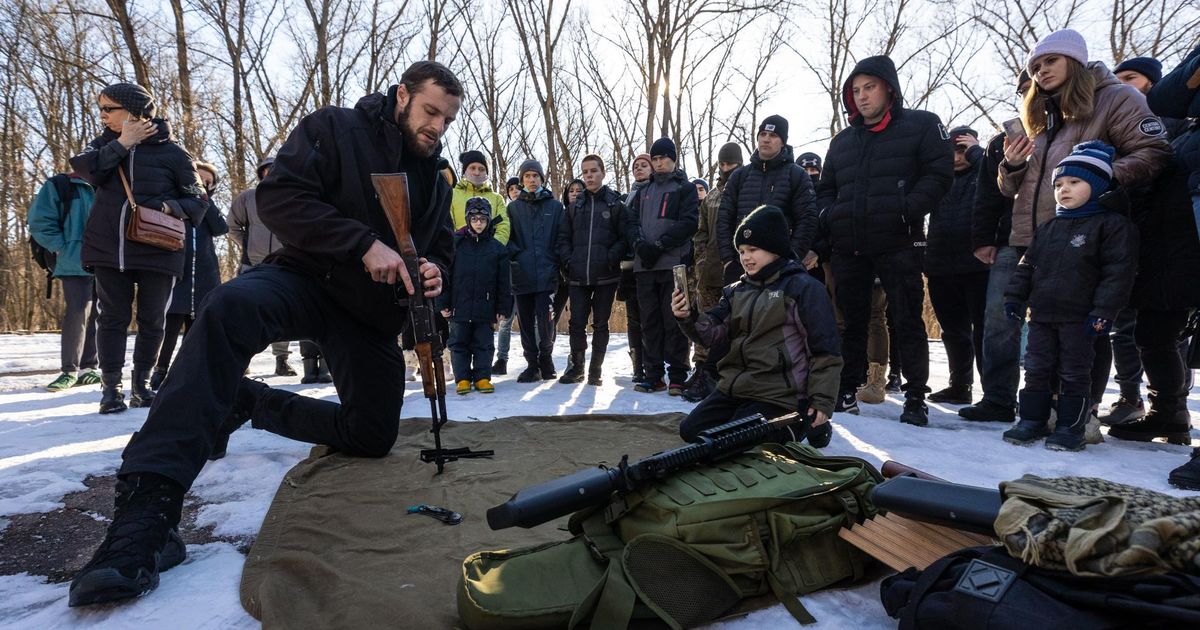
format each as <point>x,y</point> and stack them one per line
<point>125,209</point>
<point>587,274</point>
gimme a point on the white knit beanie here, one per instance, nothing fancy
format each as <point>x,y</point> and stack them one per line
<point>1067,42</point>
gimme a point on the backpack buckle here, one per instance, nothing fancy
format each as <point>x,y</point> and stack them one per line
<point>985,581</point>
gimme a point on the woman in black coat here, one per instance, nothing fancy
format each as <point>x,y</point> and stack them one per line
<point>160,173</point>
<point>201,273</point>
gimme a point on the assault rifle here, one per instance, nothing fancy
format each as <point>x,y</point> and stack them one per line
<point>393,196</point>
<point>594,486</point>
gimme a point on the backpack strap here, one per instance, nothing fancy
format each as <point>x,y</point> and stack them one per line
<point>610,603</point>
<point>66,194</point>
<point>790,601</point>
<point>931,574</point>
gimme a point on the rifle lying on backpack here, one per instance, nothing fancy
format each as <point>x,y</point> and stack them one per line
<point>538,504</point>
<point>393,196</point>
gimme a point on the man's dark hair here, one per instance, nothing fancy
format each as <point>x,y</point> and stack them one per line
<point>416,75</point>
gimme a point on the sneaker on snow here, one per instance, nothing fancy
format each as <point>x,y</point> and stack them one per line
<point>63,382</point>
<point>531,374</point>
<point>89,377</point>
<point>847,403</point>
<point>915,412</point>
<point>952,396</point>
<point>893,383</point>
<point>1122,411</point>
<point>676,389</point>
<point>987,411</point>
<point>1187,476</point>
<point>484,386</point>
<point>649,387</point>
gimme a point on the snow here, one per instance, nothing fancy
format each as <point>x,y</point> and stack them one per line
<point>50,442</point>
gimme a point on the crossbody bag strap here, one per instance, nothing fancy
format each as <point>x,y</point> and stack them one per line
<point>128,192</point>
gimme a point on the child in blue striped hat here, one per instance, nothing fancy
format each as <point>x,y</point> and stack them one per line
<point>1075,277</point>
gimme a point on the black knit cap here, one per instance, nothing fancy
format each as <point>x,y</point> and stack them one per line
<point>765,228</point>
<point>731,153</point>
<point>512,181</point>
<point>776,124</point>
<point>1148,67</point>
<point>467,158</point>
<point>134,98</point>
<point>664,147</point>
<point>808,159</point>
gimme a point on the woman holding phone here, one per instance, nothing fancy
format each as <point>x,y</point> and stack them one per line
<point>134,152</point>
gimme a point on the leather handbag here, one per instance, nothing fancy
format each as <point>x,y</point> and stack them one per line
<point>151,227</point>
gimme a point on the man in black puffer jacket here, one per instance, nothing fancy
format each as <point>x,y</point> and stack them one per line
<point>535,216</point>
<point>771,178</point>
<point>957,279</point>
<point>335,282</point>
<point>882,175</point>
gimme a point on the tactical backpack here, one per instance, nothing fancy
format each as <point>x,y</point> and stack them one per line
<point>685,550</point>
<point>45,258</point>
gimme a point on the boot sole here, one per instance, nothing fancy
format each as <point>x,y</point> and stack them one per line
<point>951,401</point>
<point>136,402</point>
<point>108,585</point>
<point>1182,438</point>
<point>1184,484</point>
<point>1055,446</point>
<point>114,409</point>
<point>570,381</point>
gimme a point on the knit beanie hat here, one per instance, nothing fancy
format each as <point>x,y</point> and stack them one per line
<point>512,181</point>
<point>1090,161</point>
<point>134,98</point>
<point>642,156</point>
<point>765,228</point>
<point>478,205</point>
<point>731,152</point>
<point>808,159</point>
<point>1148,67</point>
<point>1022,78</point>
<point>1067,42</point>
<point>776,124</point>
<point>664,147</point>
<point>466,158</point>
<point>531,165</point>
<point>700,182</point>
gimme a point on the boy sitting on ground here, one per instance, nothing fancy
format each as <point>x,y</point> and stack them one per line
<point>1075,277</point>
<point>784,350</point>
<point>480,295</point>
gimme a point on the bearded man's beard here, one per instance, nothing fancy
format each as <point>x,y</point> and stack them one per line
<point>412,142</point>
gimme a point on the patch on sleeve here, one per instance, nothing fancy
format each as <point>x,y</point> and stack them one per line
<point>942,130</point>
<point>1151,126</point>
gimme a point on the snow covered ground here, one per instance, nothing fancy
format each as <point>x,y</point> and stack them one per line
<point>50,442</point>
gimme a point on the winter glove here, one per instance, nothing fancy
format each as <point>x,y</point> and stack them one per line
<point>1014,310</point>
<point>1098,326</point>
<point>649,253</point>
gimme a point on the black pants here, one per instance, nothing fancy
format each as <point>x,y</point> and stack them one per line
<point>900,275</point>
<point>595,301</point>
<point>1121,348</point>
<point>471,349</point>
<point>717,409</point>
<point>78,323</point>
<point>662,340</point>
<point>117,291</point>
<point>1157,337</point>
<point>176,323</point>
<point>536,318</point>
<point>1063,350</point>
<point>240,318</point>
<point>627,293</point>
<point>309,349</point>
<point>959,301</point>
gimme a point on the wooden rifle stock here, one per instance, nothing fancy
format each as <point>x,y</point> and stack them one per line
<point>896,469</point>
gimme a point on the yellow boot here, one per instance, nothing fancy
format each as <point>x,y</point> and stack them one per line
<point>875,391</point>
<point>484,386</point>
<point>464,387</point>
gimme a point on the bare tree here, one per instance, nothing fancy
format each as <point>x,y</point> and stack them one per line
<point>1153,28</point>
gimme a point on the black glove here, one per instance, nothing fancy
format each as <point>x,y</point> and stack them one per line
<point>648,252</point>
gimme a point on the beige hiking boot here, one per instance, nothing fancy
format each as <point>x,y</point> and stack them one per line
<point>874,392</point>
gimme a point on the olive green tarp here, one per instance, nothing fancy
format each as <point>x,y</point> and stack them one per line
<point>338,550</point>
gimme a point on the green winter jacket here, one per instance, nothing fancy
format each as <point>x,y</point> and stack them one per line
<point>65,239</point>
<point>783,341</point>
<point>709,270</point>
<point>463,191</point>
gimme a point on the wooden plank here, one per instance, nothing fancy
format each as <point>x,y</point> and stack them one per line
<point>901,543</point>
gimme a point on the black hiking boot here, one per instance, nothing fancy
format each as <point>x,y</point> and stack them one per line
<point>310,371</point>
<point>574,372</point>
<point>531,374</point>
<point>639,368</point>
<point>987,411</point>
<point>952,395</point>
<point>142,541</point>
<point>111,398</point>
<point>596,369</point>
<point>546,367</point>
<point>500,367</point>
<point>1035,414</point>
<point>1187,476</point>
<point>915,412</point>
<point>702,385</point>
<point>847,402</point>
<point>283,368</point>
<point>140,394</point>
<point>157,377</point>
<point>1174,424</point>
<point>323,375</point>
<point>1124,410</point>
<point>249,391</point>
<point>1073,415</point>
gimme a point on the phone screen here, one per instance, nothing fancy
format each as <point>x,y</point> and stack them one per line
<point>1014,129</point>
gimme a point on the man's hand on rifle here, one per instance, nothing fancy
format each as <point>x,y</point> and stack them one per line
<point>385,265</point>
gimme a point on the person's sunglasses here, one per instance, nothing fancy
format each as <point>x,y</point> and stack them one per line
<point>108,109</point>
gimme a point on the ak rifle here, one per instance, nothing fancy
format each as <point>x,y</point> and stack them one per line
<point>392,189</point>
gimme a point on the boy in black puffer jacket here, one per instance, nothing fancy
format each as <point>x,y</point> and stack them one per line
<point>784,351</point>
<point>480,294</point>
<point>1076,276</point>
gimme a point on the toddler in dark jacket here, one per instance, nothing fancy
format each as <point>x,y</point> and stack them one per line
<point>1075,277</point>
<point>777,321</point>
<point>480,295</point>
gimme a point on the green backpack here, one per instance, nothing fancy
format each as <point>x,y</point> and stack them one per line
<point>687,549</point>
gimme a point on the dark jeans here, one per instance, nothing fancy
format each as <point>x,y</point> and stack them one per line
<point>627,293</point>
<point>958,301</point>
<point>1157,335</point>
<point>471,350</point>
<point>1063,350</point>
<point>662,340</point>
<point>241,317</point>
<point>900,274</point>
<point>78,324</point>
<point>1000,370</point>
<point>176,322</point>
<point>537,325</point>
<point>1121,348</point>
<point>117,291</point>
<point>718,409</point>
<point>504,334</point>
<point>596,301</point>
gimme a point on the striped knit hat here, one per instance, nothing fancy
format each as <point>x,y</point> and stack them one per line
<point>1092,162</point>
